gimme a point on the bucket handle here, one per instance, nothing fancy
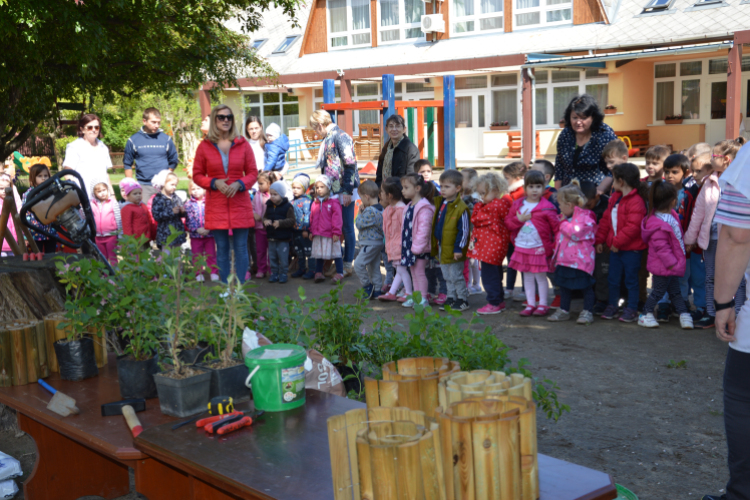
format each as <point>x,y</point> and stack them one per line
<point>247,381</point>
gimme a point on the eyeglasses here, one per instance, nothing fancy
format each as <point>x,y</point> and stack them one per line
<point>224,118</point>
<point>394,127</point>
<point>92,127</point>
<point>717,156</point>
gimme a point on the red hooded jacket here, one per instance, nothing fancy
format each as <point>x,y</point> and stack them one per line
<point>490,236</point>
<point>223,212</point>
<point>631,211</point>
<point>545,220</point>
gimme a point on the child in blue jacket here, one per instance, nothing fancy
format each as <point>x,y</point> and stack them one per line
<point>277,146</point>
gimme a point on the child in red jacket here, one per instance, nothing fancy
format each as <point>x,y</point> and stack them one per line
<point>620,230</point>
<point>136,218</point>
<point>490,237</point>
<point>533,224</point>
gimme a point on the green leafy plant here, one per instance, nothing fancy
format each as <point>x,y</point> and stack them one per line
<point>85,299</point>
<point>228,321</point>
<point>677,364</point>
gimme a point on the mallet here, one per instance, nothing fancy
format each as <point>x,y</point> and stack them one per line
<point>126,408</point>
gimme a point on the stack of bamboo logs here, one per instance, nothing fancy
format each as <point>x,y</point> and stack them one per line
<point>479,383</point>
<point>55,332</point>
<point>410,383</point>
<point>23,352</point>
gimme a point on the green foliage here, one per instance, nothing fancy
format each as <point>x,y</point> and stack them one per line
<point>62,143</point>
<point>227,320</point>
<point>677,364</point>
<point>86,299</point>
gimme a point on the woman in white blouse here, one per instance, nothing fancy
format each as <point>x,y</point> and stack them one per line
<point>257,139</point>
<point>88,155</point>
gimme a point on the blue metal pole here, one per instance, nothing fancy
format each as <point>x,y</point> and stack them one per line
<point>389,94</point>
<point>449,121</point>
<point>329,95</point>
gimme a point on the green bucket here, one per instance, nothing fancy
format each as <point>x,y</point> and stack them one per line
<point>277,372</point>
<point>624,494</point>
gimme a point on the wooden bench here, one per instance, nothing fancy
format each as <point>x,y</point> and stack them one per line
<point>639,141</point>
<point>515,145</point>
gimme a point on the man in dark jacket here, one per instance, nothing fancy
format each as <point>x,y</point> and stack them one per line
<point>152,151</point>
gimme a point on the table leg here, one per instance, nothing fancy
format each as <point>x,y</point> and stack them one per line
<point>158,481</point>
<point>66,470</point>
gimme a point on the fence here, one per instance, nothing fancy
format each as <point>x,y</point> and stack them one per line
<point>38,146</point>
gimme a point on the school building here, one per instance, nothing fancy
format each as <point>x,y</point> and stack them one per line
<point>672,71</point>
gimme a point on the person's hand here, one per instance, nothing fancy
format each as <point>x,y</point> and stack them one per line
<point>276,224</point>
<point>311,236</point>
<point>346,199</point>
<point>689,248</point>
<point>257,217</point>
<point>266,223</point>
<point>523,217</point>
<point>336,238</point>
<point>305,234</point>
<point>725,324</point>
<point>175,210</point>
<point>203,231</point>
<point>457,255</point>
<point>599,248</point>
<point>232,189</point>
<point>613,249</point>
<point>221,185</point>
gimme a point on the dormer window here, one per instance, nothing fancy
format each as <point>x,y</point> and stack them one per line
<point>657,5</point>
<point>257,44</point>
<point>288,42</point>
<point>700,3</point>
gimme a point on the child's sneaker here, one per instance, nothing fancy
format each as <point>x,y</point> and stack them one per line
<point>541,311</point>
<point>686,321</point>
<point>609,312</point>
<point>629,315</point>
<point>260,275</point>
<point>200,278</point>
<point>299,273</point>
<point>248,276</point>
<point>460,305</point>
<point>705,322</point>
<point>375,294</point>
<point>662,313</point>
<point>319,278</point>
<point>337,279</point>
<point>408,303</point>
<point>368,291</point>
<point>283,279</point>
<point>273,279</point>
<point>388,297</point>
<point>448,302</point>
<point>440,299</point>
<point>648,321</point>
<point>490,309</point>
<point>560,315</point>
<point>425,303</point>
<point>555,303</point>
<point>309,275</point>
<point>585,318</point>
<point>214,277</point>
<point>508,293</point>
<point>528,311</point>
<point>402,297</point>
<point>697,314</point>
<point>475,290</point>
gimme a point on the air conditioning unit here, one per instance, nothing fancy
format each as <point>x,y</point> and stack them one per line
<point>432,23</point>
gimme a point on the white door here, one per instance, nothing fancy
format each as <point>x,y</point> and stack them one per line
<point>471,121</point>
<point>715,109</point>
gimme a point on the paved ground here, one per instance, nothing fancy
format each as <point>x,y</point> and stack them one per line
<point>656,430</point>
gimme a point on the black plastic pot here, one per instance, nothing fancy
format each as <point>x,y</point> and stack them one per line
<point>195,355</point>
<point>137,377</point>
<point>228,381</point>
<point>76,359</point>
<point>355,383</point>
<point>183,397</point>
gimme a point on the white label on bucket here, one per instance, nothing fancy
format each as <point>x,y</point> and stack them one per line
<point>276,354</point>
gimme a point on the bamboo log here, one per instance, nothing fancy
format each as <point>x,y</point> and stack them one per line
<point>428,394</point>
<point>364,468</point>
<point>485,444</point>
<point>356,420</point>
<point>19,369</point>
<point>383,462</point>
<point>408,393</point>
<point>464,467</point>
<point>379,414</point>
<point>337,443</point>
<point>53,333</point>
<point>431,483</point>
<point>372,396</point>
<point>100,347</point>
<point>33,356</point>
<point>407,366</point>
<point>6,359</point>
<point>388,392</point>
<point>509,457</point>
<point>448,453</point>
<point>409,471</point>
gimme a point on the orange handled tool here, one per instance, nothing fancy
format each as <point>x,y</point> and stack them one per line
<point>132,420</point>
<point>233,426</point>
<point>214,426</point>
<point>210,420</point>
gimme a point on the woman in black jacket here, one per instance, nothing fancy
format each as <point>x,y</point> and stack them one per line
<point>399,154</point>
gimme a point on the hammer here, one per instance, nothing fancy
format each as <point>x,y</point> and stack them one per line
<point>127,408</point>
<point>62,404</point>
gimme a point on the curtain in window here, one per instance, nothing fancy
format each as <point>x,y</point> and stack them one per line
<point>505,106</point>
<point>337,15</point>
<point>561,97</point>
<point>490,6</point>
<point>600,93</point>
<point>527,19</point>
<point>389,13</point>
<point>526,4</point>
<point>691,68</point>
<point>463,112</point>
<point>480,111</point>
<point>414,10</point>
<point>664,70</point>
<point>360,14</point>
<point>691,98</point>
<point>554,16</point>
<point>540,107</point>
<point>664,99</point>
<point>463,7</point>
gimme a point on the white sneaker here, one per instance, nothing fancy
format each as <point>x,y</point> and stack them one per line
<point>648,321</point>
<point>408,303</point>
<point>508,294</point>
<point>475,290</point>
<point>686,321</point>
<point>200,278</point>
<point>214,277</point>
<point>425,303</point>
<point>519,296</point>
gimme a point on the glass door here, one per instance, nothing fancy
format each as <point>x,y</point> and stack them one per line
<point>471,113</point>
<point>716,124</point>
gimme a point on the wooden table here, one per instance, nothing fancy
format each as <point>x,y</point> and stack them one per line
<point>283,456</point>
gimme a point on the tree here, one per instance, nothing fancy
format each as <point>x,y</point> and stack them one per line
<point>55,50</point>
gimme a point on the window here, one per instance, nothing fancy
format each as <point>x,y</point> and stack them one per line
<point>400,20</point>
<point>505,98</point>
<point>257,44</point>
<point>532,13</point>
<point>471,82</point>
<point>657,5</point>
<point>477,16</point>
<point>281,108</point>
<point>348,23</point>
<point>556,88</point>
<point>678,87</point>
<point>288,42</point>
<point>463,112</point>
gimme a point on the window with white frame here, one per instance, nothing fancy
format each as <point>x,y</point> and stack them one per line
<point>284,46</point>
<point>257,44</point>
<point>678,89</point>
<point>473,16</point>
<point>555,88</point>
<point>348,23</point>
<point>281,108</point>
<point>399,20</point>
<point>534,13</point>
<point>505,98</point>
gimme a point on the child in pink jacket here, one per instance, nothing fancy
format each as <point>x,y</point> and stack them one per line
<point>265,179</point>
<point>106,212</point>
<point>575,256</point>
<point>326,226</point>
<point>393,219</point>
<point>416,239</point>
<point>662,232</point>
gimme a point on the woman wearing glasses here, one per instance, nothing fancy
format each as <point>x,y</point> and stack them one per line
<point>225,167</point>
<point>88,155</point>
<point>580,145</point>
<point>399,154</point>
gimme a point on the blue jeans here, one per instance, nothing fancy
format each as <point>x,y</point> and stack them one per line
<point>624,266</point>
<point>278,254</point>
<point>239,240</point>
<point>492,279</point>
<point>350,239</point>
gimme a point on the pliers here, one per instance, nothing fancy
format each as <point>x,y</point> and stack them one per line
<point>224,424</point>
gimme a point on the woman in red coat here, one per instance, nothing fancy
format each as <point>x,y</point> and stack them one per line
<point>225,167</point>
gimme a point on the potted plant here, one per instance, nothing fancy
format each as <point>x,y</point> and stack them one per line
<point>562,122</point>
<point>673,119</point>
<point>136,307</point>
<point>499,125</point>
<point>228,371</point>
<point>83,278</point>
<point>183,390</point>
<point>610,109</point>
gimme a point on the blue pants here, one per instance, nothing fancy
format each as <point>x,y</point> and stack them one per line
<point>278,254</point>
<point>696,281</point>
<point>239,241</point>
<point>492,281</point>
<point>350,239</point>
<point>510,282</point>
<point>624,266</point>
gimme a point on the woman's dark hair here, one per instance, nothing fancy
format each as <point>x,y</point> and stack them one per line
<point>35,170</point>
<point>255,119</point>
<point>397,119</point>
<point>392,186</point>
<point>426,189</point>
<point>660,196</point>
<point>85,120</point>
<point>584,105</point>
<point>515,169</point>
<point>534,178</point>
<point>631,176</point>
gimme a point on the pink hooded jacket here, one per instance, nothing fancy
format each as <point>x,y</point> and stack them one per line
<point>699,229</point>
<point>107,217</point>
<point>421,238</point>
<point>575,241</point>
<point>393,221</point>
<point>544,218</point>
<point>259,208</point>
<point>665,256</point>
<point>325,218</point>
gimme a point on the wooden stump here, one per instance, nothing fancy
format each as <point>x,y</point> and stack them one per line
<point>23,352</point>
